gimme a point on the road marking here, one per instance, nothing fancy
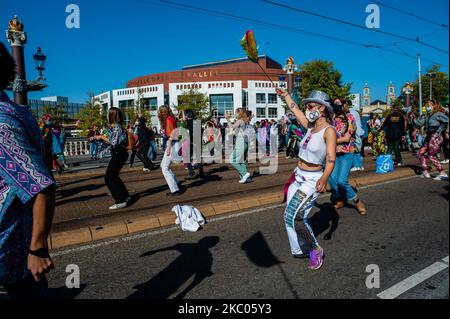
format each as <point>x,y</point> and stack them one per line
<point>413,280</point>
<point>445,259</point>
<point>214,219</point>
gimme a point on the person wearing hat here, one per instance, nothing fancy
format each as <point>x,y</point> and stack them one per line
<point>346,129</point>
<point>317,156</point>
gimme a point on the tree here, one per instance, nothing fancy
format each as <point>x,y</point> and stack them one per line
<point>197,102</point>
<point>57,112</point>
<point>91,114</point>
<point>440,86</point>
<point>323,76</point>
<point>143,109</point>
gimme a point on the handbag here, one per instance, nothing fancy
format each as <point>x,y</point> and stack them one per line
<point>385,164</point>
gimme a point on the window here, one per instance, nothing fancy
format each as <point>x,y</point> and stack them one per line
<point>260,98</point>
<point>244,99</point>
<point>272,98</point>
<point>261,112</point>
<point>273,112</point>
<point>222,103</point>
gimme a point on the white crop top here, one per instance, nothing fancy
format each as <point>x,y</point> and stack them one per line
<point>312,147</point>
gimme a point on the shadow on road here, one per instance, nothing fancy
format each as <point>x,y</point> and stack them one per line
<point>64,292</point>
<point>325,219</point>
<point>80,199</point>
<point>195,260</point>
<point>446,188</point>
<point>63,193</point>
<point>259,253</point>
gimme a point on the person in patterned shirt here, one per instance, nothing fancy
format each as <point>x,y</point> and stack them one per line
<point>27,196</point>
<point>341,190</point>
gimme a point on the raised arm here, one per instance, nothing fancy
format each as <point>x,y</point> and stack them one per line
<point>294,107</point>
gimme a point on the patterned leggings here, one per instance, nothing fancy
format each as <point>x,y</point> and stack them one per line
<point>300,199</point>
<point>429,150</point>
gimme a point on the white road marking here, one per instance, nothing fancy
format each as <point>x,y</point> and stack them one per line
<point>413,280</point>
<point>445,259</point>
<point>214,219</point>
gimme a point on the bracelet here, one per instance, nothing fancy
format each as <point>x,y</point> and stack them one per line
<point>41,252</point>
<point>292,105</point>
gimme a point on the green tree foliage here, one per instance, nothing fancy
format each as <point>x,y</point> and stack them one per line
<point>323,76</point>
<point>91,114</point>
<point>440,86</point>
<point>197,102</point>
<point>57,112</point>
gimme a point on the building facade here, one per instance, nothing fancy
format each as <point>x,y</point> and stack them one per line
<point>228,84</point>
<point>71,109</point>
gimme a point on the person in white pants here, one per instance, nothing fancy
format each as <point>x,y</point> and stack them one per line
<point>167,120</point>
<point>171,155</point>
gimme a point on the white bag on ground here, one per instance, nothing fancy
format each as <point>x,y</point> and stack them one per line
<point>188,217</point>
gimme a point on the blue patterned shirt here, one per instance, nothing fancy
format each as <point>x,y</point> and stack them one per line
<point>23,175</point>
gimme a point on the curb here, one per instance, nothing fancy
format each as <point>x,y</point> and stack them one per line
<point>131,226</point>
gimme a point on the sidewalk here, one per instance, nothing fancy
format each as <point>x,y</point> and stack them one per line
<point>82,213</point>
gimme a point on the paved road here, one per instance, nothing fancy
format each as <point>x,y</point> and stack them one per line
<point>83,201</point>
<point>247,255</point>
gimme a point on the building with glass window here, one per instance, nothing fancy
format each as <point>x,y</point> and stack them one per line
<point>40,107</point>
<point>228,84</point>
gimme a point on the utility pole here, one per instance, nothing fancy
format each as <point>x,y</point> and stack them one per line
<point>420,85</point>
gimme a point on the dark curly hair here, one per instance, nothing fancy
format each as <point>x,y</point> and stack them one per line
<point>7,67</point>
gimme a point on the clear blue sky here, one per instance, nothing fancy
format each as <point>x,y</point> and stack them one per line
<point>122,39</point>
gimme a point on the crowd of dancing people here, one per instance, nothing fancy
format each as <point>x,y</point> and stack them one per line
<point>325,136</point>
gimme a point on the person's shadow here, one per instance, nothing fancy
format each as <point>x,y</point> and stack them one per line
<point>195,260</point>
<point>325,219</point>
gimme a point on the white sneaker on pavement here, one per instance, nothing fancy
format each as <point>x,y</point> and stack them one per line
<point>244,178</point>
<point>425,175</point>
<point>441,178</point>
<point>118,206</point>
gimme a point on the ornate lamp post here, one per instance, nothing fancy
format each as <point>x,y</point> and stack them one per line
<point>17,38</point>
<point>39,59</point>
<point>290,68</point>
<point>408,89</point>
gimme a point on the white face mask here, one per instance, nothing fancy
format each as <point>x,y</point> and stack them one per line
<point>429,108</point>
<point>312,116</point>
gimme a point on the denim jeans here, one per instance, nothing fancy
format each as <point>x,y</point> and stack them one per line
<point>152,151</point>
<point>357,160</point>
<point>340,187</point>
<point>93,149</point>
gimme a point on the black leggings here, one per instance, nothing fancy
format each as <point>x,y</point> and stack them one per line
<point>112,179</point>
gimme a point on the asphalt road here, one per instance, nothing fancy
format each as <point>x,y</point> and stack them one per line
<point>247,255</point>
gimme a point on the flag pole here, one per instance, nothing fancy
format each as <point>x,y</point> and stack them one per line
<point>257,62</point>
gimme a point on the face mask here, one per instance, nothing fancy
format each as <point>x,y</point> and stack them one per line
<point>429,109</point>
<point>406,109</point>
<point>312,116</point>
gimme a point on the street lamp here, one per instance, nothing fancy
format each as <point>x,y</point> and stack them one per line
<point>431,74</point>
<point>39,60</point>
<point>290,68</point>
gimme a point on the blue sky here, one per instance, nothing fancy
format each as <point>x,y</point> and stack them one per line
<point>122,39</point>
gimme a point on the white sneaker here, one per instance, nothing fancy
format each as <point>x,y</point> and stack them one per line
<point>441,178</point>
<point>445,161</point>
<point>355,169</point>
<point>244,178</point>
<point>425,175</point>
<point>399,164</point>
<point>118,206</point>
<point>146,170</point>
